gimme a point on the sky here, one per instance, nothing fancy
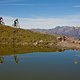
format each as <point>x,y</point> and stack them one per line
<point>44,14</point>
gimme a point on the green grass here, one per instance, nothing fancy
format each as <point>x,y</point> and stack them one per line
<point>7,36</point>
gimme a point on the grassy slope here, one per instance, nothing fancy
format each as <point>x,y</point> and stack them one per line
<point>8,34</point>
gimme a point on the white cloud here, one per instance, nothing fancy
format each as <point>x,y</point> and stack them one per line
<point>28,23</point>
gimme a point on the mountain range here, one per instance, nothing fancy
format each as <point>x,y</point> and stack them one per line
<point>70,31</point>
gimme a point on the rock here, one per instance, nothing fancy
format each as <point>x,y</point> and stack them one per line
<point>41,41</point>
<point>50,44</point>
<point>59,38</point>
<point>35,43</point>
<point>78,42</point>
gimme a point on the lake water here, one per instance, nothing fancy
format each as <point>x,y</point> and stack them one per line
<point>41,66</point>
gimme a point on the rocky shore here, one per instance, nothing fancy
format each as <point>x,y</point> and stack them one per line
<point>69,43</point>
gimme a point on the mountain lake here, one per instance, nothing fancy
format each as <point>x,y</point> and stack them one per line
<point>42,65</point>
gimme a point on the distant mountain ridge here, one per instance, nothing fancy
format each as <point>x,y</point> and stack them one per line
<point>62,30</point>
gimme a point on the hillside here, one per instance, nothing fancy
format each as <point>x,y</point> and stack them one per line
<point>64,30</point>
<point>37,41</point>
<point>10,35</point>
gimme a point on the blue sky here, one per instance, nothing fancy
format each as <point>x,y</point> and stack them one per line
<point>41,13</point>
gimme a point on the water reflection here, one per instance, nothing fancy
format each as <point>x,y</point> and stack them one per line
<point>14,50</point>
<point>15,55</point>
<point>36,66</point>
<point>18,49</point>
<point>75,61</point>
<point>16,59</point>
<point>1,59</point>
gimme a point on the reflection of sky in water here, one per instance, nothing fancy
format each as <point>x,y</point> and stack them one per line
<point>41,66</point>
